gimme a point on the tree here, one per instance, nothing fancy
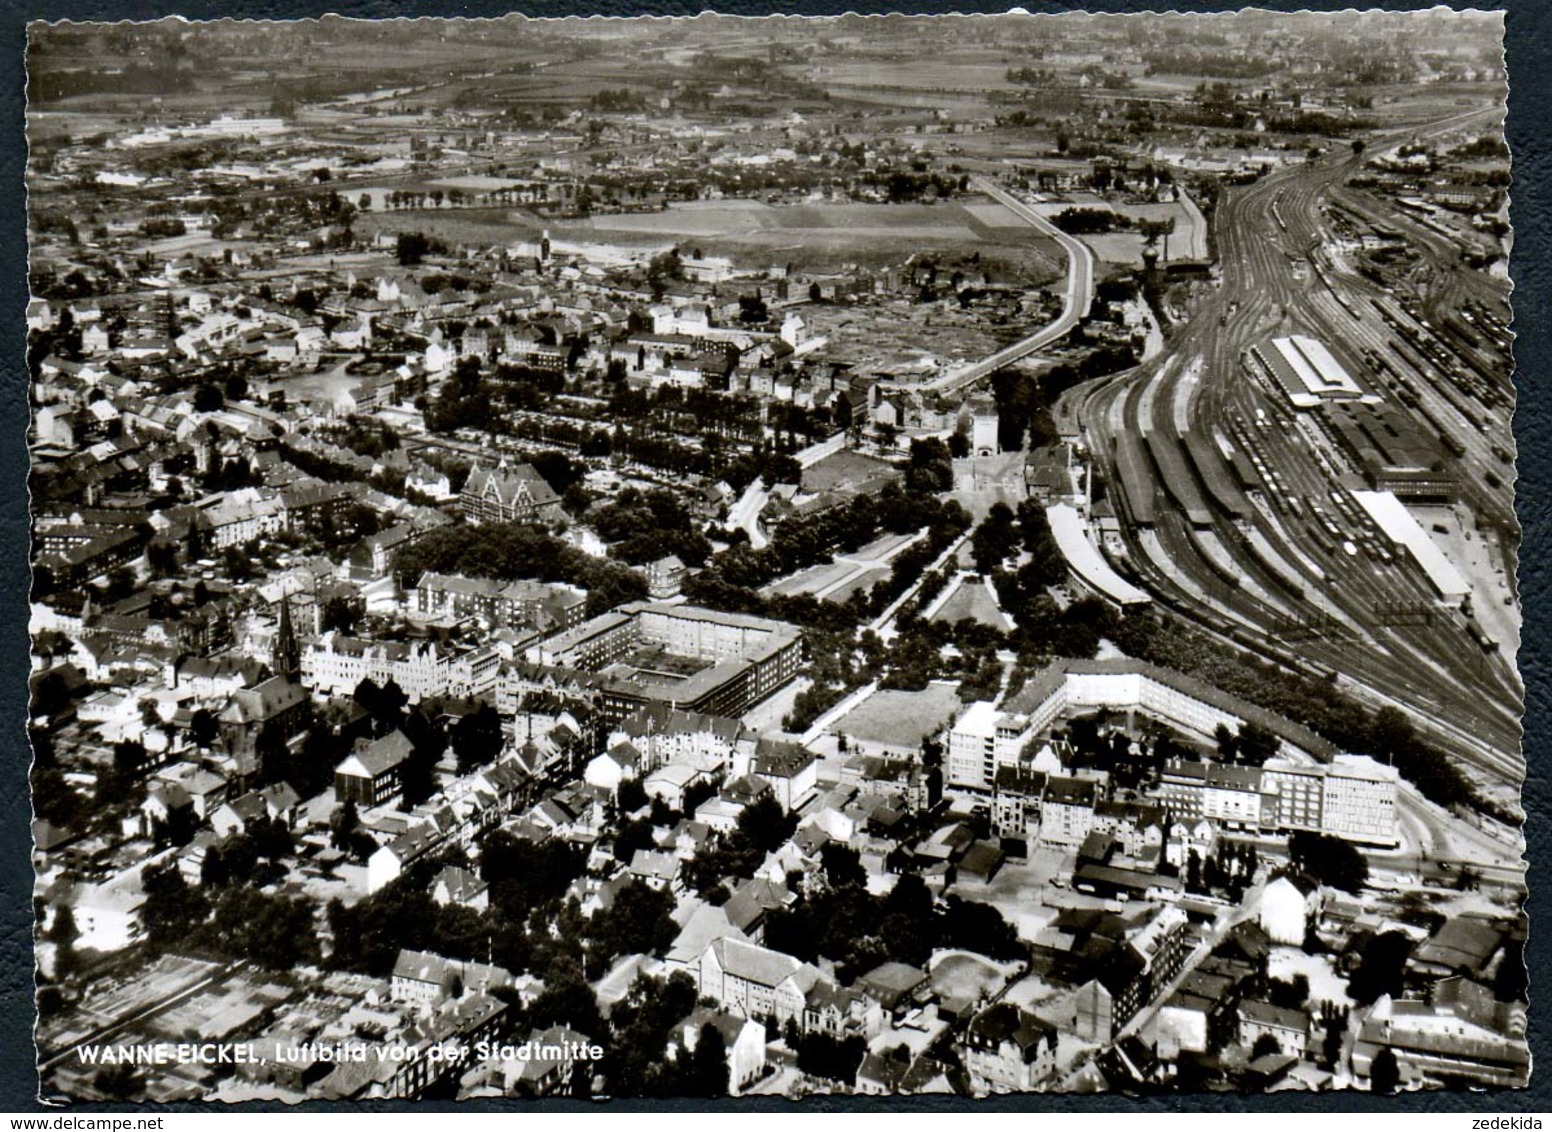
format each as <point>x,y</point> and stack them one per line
<point>63,930</point>
<point>1256,744</point>
<point>764,825</point>
<point>1264,1045</point>
<point>342,824</point>
<point>979,928</point>
<point>340,614</point>
<point>1329,860</point>
<point>632,796</point>
<point>820,1055</point>
<point>995,539</point>
<point>1384,1072</point>
<point>567,1000</point>
<point>630,837</point>
<point>120,1082</point>
<point>202,727</point>
<point>411,248</point>
<point>1381,969</point>
<point>477,739</point>
<point>959,444</point>
<point>172,910</point>
<point>710,1072</point>
<point>842,865</point>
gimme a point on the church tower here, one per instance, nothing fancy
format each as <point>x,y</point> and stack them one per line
<point>286,655</point>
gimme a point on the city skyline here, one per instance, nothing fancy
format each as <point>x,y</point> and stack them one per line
<point>878,555</point>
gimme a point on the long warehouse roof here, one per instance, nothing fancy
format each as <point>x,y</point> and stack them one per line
<point>1072,539</point>
<point>1397,522</point>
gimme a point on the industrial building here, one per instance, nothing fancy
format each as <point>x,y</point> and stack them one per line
<point>1393,454</point>
<point>1306,371</point>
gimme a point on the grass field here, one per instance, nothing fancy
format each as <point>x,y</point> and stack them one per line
<point>971,600</point>
<point>753,233</point>
<point>841,469</point>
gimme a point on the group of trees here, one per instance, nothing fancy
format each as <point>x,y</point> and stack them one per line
<point>1251,745</point>
<point>388,705</point>
<point>997,538</point>
<point>643,1025</point>
<point>509,551</point>
<point>1090,221</point>
<point>1328,860</point>
<point>1023,409</point>
<point>858,931</point>
<point>643,526</point>
<point>806,541</point>
<point>762,828</point>
<point>1228,869</point>
<point>413,247</point>
<point>464,400</point>
<point>235,921</point>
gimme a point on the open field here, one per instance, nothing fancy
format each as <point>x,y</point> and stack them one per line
<point>952,72</point>
<point>842,469</point>
<point>965,976</point>
<point>752,232</point>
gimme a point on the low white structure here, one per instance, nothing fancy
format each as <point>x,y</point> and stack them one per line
<point>1392,517</point>
<point>1286,906</point>
<point>1067,528</point>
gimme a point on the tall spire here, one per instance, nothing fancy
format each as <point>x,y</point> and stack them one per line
<point>286,656</point>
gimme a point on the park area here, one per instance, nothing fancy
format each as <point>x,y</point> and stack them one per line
<point>972,599</point>
<point>838,579</point>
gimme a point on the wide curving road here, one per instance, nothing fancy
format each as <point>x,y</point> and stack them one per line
<point>1076,299</point>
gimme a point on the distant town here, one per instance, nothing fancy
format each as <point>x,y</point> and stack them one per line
<point>717,557</point>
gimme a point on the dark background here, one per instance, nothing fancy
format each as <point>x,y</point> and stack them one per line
<point>1529,55</point>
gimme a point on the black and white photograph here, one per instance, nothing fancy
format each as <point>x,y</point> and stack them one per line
<point>846,556</point>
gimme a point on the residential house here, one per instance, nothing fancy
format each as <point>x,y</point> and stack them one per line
<point>1288,1027</point>
<point>1008,1050</point>
<point>754,982</point>
<point>1289,905</point>
<point>454,885</point>
<point>743,1038</point>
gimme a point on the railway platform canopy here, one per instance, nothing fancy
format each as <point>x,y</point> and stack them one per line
<point>1392,517</point>
<point>1084,559</point>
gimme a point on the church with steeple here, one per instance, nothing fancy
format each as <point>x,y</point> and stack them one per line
<point>285,653</point>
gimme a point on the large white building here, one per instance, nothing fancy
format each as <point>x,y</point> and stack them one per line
<point>1352,797</point>
<point>334,665</point>
<point>1359,802</point>
<point>982,740</point>
<point>1184,702</point>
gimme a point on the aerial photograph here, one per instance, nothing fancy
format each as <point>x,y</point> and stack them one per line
<point>846,556</point>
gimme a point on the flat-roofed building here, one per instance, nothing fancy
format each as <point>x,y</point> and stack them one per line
<point>1359,800</point>
<point>699,660</point>
<point>983,739</point>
